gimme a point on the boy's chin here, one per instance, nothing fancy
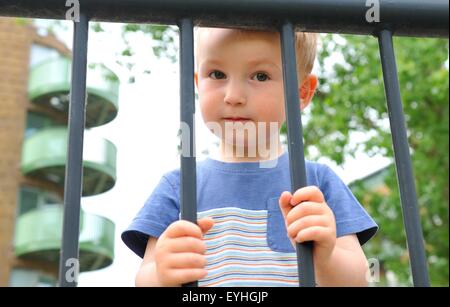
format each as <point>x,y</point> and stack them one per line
<point>240,143</point>
<point>245,146</point>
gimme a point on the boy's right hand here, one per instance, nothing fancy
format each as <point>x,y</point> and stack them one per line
<point>179,252</point>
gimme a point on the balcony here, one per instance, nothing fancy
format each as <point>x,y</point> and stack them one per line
<point>49,85</point>
<point>38,237</point>
<point>44,157</point>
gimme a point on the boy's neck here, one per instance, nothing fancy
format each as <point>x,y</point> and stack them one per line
<point>229,153</point>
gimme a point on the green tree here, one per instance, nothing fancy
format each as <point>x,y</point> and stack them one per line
<point>351,100</point>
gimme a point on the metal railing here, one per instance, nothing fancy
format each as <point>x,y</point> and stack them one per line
<point>422,18</point>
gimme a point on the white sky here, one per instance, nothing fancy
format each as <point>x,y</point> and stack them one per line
<point>145,134</point>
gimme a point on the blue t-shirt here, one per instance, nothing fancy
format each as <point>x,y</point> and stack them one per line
<point>248,244</point>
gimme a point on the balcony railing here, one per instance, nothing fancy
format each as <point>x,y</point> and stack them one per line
<point>44,155</point>
<point>49,85</point>
<point>38,237</point>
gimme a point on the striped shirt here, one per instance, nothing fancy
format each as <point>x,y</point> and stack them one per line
<point>238,254</point>
<point>248,244</point>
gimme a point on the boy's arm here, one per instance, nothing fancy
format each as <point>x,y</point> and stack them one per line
<point>176,257</point>
<point>146,276</point>
<point>347,265</point>
<point>337,261</point>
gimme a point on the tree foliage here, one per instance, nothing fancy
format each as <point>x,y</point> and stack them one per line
<point>351,100</point>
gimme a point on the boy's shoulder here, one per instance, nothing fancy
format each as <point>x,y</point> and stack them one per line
<point>318,167</point>
<point>173,175</point>
<point>315,165</point>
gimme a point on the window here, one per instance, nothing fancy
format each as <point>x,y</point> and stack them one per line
<point>28,200</point>
<point>40,53</point>
<point>35,122</point>
<point>34,198</point>
<point>30,278</point>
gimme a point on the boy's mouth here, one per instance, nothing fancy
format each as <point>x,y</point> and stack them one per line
<point>236,119</point>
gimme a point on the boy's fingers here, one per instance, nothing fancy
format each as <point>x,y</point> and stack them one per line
<point>310,193</point>
<point>183,229</point>
<point>306,222</point>
<point>183,276</point>
<point>186,244</point>
<point>284,202</point>
<point>307,208</point>
<point>187,261</point>
<point>315,233</point>
<point>205,224</point>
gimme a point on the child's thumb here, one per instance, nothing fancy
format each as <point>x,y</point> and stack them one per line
<point>284,202</point>
<point>205,224</point>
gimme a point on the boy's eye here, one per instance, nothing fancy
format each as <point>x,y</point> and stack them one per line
<point>261,76</point>
<point>217,74</point>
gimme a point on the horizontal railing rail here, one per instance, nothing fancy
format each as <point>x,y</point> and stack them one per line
<point>403,18</point>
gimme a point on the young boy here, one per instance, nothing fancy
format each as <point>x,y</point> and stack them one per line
<point>248,226</point>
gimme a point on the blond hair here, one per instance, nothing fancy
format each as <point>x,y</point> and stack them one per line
<point>305,48</point>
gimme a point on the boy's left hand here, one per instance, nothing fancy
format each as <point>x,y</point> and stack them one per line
<point>308,218</point>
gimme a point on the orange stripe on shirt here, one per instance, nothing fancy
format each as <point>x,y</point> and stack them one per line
<point>236,220</point>
<point>240,250</point>
<point>250,265</point>
<point>294,282</point>
<point>209,238</point>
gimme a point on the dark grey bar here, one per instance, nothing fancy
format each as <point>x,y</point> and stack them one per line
<point>188,164</point>
<point>295,143</point>
<point>74,169</point>
<point>403,165</point>
<point>403,17</point>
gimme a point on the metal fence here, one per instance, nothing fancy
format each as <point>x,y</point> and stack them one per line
<point>381,18</point>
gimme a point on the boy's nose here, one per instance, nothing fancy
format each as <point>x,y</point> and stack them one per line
<point>235,94</point>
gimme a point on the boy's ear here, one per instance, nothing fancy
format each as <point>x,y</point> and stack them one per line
<point>196,78</point>
<point>307,90</point>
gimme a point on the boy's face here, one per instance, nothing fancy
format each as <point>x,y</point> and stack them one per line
<point>239,76</point>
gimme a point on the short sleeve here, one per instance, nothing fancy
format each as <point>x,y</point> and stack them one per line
<point>351,217</point>
<point>160,210</point>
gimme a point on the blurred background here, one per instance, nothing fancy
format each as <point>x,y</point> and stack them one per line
<point>132,139</point>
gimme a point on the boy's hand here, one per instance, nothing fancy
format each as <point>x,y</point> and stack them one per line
<point>179,252</point>
<point>308,218</point>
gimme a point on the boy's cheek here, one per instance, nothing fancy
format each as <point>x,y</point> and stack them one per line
<point>207,111</point>
<point>272,114</point>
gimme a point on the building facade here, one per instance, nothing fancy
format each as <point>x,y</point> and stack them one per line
<point>35,73</point>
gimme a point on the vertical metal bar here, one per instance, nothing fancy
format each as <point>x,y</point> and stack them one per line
<point>403,165</point>
<point>187,110</point>
<point>69,265</point>
<point>295,143</point>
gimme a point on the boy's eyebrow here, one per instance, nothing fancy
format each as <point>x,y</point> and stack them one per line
<point>252,62</point>
<point>211,61</point>
<point>263,61</point>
